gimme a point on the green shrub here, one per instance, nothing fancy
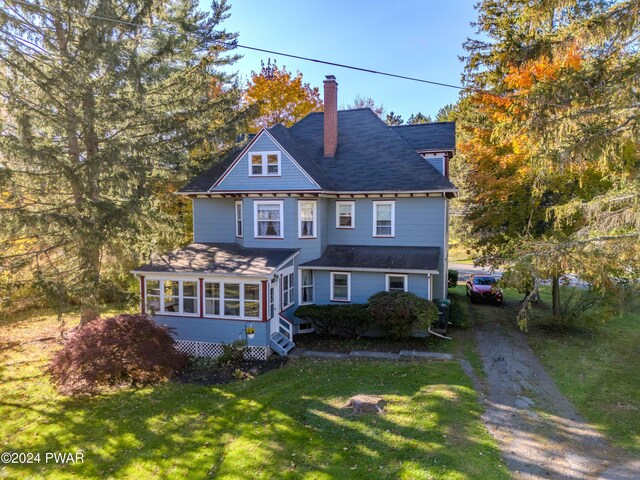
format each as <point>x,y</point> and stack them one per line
<point>232,353</point>
<point>580,309</point>
<point>453,278</point>
<point>401,312</point>
<point>350,321</point>
<point>458,314</point>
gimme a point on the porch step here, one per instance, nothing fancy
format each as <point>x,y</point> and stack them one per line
<point>281,344</point>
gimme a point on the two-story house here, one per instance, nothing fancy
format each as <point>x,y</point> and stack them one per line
<point>331,210</point>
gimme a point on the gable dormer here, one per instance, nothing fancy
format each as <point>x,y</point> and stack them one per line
<point>264,165</point>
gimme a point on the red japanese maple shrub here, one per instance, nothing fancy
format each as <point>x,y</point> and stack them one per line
<point>125,349</point>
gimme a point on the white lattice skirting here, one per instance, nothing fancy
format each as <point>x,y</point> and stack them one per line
<point>214,350</point>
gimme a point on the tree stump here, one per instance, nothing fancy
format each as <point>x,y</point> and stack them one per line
<point>366,404</point>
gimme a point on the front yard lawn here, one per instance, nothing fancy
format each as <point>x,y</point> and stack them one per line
<point>288,423</point>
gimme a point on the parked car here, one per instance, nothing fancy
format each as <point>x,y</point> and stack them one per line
<point>481,288</point>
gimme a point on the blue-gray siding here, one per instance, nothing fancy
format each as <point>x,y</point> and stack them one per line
<point>214,331</point>
<point>419,222</point>
<point>290,179</point>
<point>365,284</point>
<point>214,220</point>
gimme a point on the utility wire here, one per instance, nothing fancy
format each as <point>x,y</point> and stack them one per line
<point>232,45</point>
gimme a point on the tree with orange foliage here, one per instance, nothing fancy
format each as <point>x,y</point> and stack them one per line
<point>281,97</point>
<point>549,129</point>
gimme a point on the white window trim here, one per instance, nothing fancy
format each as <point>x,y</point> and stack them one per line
<point>181,296</point>
<point>265,164</point>
<point>393,218</point>
<point>406,280</point>
<point>353,215</point>
<point>292,289</point>
<point>333,299</point>
<point>313,286</point>
<point>315,219</point>
<point>242,300</point>
<point>255,217</point>
<point>239,219</point>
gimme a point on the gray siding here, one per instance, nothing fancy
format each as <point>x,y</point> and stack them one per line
<point>290,179</point>
<point>213,220</point>
<point>365,284</point>
<point>214,331</point>
<point>419,222</point>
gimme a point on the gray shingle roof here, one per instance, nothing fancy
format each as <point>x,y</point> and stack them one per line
<point>428,136</point>
<point>386,258</point>
<point>219,259</point>
<point>371,156</point>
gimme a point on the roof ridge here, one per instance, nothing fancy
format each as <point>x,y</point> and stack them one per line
<point>420,124</point>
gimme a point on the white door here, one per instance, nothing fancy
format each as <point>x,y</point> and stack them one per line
<point>274,303</point>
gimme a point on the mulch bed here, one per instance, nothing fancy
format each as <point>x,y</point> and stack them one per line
<point>213,373</point>
<point>328,343</point>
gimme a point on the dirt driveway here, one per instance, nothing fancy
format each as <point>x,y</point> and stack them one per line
<point>539,431</point>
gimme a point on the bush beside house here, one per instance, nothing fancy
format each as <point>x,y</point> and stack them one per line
<point>399,313</point>
<point>125,349</point>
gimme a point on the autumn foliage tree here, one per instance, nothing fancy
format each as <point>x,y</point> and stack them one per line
<point>549,129</point>
<point>281,96</point>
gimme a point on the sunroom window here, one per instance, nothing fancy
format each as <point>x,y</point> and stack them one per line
<point>287,290</point>
<point>172,296</point>
<point>238,300</point>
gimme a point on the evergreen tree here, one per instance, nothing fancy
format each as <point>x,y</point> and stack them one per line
<point>393,120</point>
<point>367,102</point>
<point>102,102</point>
<point>549,128</point>
<point>419,118</point>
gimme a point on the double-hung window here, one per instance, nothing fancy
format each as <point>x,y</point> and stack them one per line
<point>287,290</point>
<point>231,299</point>
<point>268,219</point>
<point>396,283</point>
<point>238,208</point>
<point>306,286</point>
<point>264,164</point>
<point>345,214</point>
<point>340,287</point>
<point>307,214</point>
<point>384,219</point>
<point>172,296</point>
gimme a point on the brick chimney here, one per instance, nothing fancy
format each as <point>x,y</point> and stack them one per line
<point>330,116</point>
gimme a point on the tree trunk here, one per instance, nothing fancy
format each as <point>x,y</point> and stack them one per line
<point>89,277</point>
<point>555,294</point>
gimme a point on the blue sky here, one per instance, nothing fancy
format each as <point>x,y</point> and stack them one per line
<point>409,37</point>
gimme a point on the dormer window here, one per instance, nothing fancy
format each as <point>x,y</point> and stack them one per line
<point>264,164</point>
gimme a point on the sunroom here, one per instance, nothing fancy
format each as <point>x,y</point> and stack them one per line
<point>216,294</point>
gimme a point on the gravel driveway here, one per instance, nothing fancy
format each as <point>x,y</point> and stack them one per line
<point>539,431</point>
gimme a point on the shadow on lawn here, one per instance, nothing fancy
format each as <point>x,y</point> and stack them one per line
<point>276,425</point>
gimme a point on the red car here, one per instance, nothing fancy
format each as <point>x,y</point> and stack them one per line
<point>481,288</point>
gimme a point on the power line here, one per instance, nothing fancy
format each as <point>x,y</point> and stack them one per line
<point>246,47</point>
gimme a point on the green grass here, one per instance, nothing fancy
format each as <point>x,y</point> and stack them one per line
<point>289,423</point>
